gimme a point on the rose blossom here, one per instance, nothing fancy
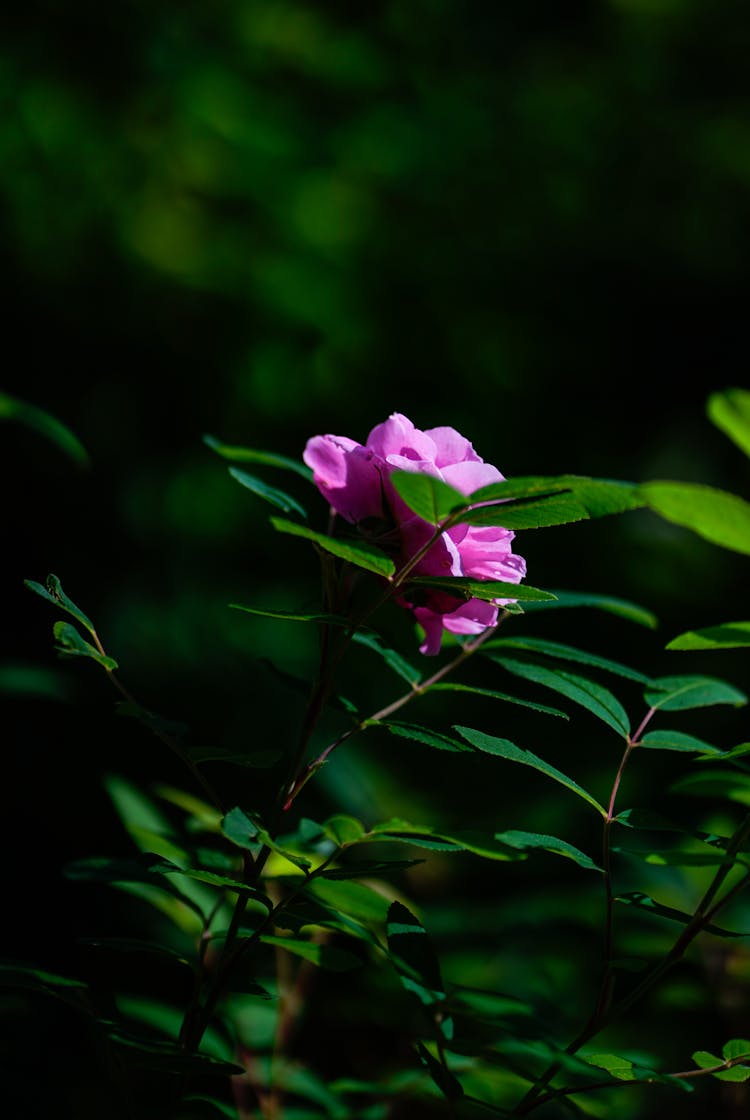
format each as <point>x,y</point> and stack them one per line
<point>355,480</point>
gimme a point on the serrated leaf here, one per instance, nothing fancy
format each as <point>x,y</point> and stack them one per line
<point>205,875</point>
<point>359,553</point>
<point>676,741</point>
<point>558,509</point>
<point>392,659</point>
<point>368,869</point>
<point>736,1048</point>
<point>717,516</point>
<point>503,748</point>
<point>492,694</point>
<point>530,841</point>
<point>271,494</point>
<point>567,653</point>
<point>11,408</point>
<point>671,694</point>
<point>730,635</point>
<point>424,735</point>
<point>589,694</point>
<point>706,1060</point>
<point>649,905</point>
<point>730,412</point>
<point>430,498</point>
<point>251,455</point>
<point>54,594</point>
<point>622,608</point>
<point>477,843</point>
<point>487,589</point>
<point>324,956</point>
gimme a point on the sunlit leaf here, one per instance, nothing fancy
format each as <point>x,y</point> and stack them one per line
<point>240,829</point>
<point>503,748</point>
<point>250,455</point>
<point>430,498</point>
<point>343,829</point>
<point>359,553</point>
<point>11,408</point>
<point>589,694</point>
<point>487,589</point>
<point>557,509</point>
<point>715,515</point>
<point>671,694</point>
<point>270,494</point>
<point>730,412</point>
<point>730,635</point>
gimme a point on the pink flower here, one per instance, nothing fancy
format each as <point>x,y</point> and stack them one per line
<point>355,480</point>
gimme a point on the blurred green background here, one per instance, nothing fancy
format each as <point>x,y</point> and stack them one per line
<point>266,220</point>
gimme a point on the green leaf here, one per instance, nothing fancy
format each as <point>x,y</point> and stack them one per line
<point>146,868</point>
<point>324,956</point>
<point>623,608</point>
<point>54,593</point>
<point>11,408</point>
<point>294,616</point>
<point>392,659</point>
<point>250,455</point>
<point>671,694</point>
<point>530,841</point>
<point>343,830</point>
<point>271,494</point>
<point>567,653</point>
<point>240,829</point>
<point>205,875</point>
<point>590,695</point>
<point>715,515</point>
<point>706,1060</point>
<point>491,694</point>
<point>447,1083</point>
<point>737,1048</point>
<point>568,498</point>
<point>730,412</point>
<point>676,741</point>
<point>503,748</point>
<point>430,498</point>
<point>135,945</point>
<point>368,869</point>
<point>423,735</point>
<point>71,644</point>
<point>487,589</point>
<point>486,846</point>
<point>649,905</point>
<point>359,553</point>
<point>732,784</point>
<point>412,953</point>
<point>730,635</point>
<point>152,1053</point>
<point>18,974</point>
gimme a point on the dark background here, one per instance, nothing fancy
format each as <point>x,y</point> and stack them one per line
<point>269,220</point>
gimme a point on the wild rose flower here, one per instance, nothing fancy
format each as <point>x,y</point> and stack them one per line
<point>355,480</point>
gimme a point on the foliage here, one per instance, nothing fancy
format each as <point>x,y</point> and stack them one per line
<point>256,915</point>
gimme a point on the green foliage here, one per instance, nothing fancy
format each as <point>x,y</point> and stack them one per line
<point>355,552</point>
<point>11,408</point>
<point>730,411</point>
<point>730,635</point>
<point>270,494</point>
<point>719,517</point>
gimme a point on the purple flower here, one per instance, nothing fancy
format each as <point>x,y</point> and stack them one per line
<point>355,480</point>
